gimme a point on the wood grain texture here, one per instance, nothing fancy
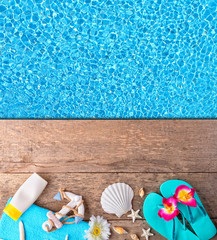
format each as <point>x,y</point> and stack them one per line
<point>85,156</point>
<point>132,228</point>
<point>137,229</point>
<point>91,186</point>
<point>108,146</point>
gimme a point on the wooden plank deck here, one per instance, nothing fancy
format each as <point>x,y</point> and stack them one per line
<point>86,156</point>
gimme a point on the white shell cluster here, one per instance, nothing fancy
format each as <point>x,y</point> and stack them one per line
<point>75,200</point>
<point>117,199</point>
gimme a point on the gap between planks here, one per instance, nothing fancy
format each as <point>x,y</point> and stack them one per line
<point>27,172</point>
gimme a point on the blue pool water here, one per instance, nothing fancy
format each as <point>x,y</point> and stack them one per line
<point>108,58</point>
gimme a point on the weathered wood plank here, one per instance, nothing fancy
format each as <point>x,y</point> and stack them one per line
<point>108,146</point>
<point>131,228</point>
<point>91,186</point>
<point>65,150</point>
<point>137,229</point>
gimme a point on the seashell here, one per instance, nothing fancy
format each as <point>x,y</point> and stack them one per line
<point>134,237</point>
<point>117,199</point>
<point>120,230</point>
<point>141,192</point>
<point>75,201</point>
<point>22,232</point>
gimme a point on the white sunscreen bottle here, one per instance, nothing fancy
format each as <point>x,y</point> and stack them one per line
<point>26,195</point>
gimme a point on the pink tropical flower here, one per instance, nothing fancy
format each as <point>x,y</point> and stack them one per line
<point>185,195</point>
<point>170,209</point>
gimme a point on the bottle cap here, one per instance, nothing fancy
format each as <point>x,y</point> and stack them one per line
<point>12,212</point>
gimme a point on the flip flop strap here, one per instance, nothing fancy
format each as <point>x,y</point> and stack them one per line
<point>174,229</point>
<point>174,223</point>
<point>183,220</point>
<point>190,214</point>
<point>201,209</point>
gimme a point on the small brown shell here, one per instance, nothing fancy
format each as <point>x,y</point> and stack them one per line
<point>141,192</point>
<point>134,237</point>
<point>120,230</point>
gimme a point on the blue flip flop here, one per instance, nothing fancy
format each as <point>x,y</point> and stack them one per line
<point>171,228</point>
<point>191,207</point>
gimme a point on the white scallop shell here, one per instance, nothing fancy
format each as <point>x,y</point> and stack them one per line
<point>117,199</point>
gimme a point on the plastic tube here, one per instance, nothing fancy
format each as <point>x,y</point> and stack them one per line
<point>26,195</point>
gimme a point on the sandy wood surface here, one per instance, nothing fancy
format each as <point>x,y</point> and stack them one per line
<point>86,156</point>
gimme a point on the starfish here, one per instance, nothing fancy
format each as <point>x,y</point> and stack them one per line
<point>147,233</point>
<point>134,215</point>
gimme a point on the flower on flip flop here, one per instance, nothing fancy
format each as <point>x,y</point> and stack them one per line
<point>99,229</point>
<point>170,209</point>
<point>185,195</point>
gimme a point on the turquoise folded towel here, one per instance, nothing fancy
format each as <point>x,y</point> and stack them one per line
<point>33,219</point>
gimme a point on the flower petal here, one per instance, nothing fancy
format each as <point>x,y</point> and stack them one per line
<point>180,188</point>
<point>102,225</point>
<point>191,202</point>
<point>170,209</point>
<point>192,192</point>
<point>163,213</point>
<point>185,195</point>
<point>170,202</point>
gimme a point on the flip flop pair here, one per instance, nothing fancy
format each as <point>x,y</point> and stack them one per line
<point>179,201</point>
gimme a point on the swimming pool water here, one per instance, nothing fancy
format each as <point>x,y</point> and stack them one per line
<point>108,58</point>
